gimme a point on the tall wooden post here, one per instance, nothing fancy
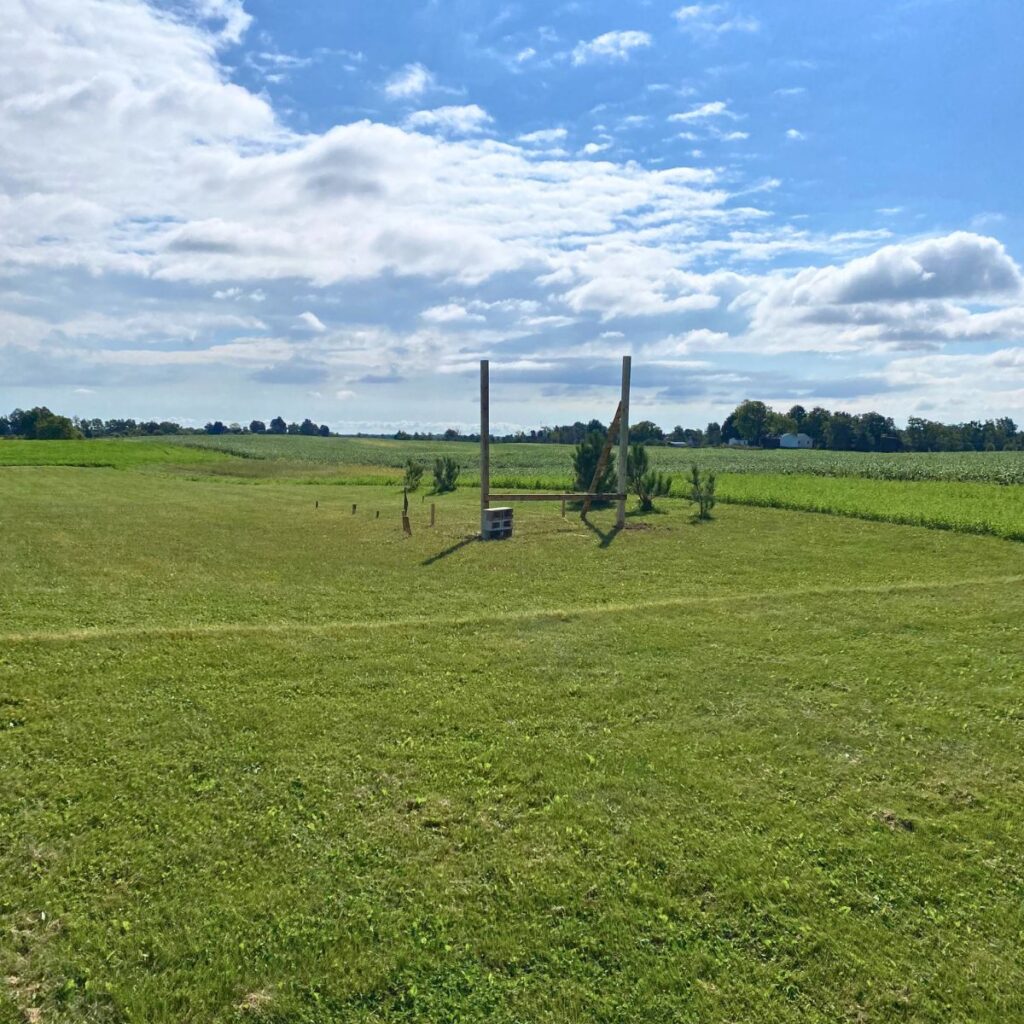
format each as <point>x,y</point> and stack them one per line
<point>485,444</point>
<point>620,515</point>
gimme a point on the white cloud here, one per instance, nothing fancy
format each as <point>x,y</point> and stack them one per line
<point>795,135</point>
<point>409,83</point>
<point>960,265</point>
<point>592,148</point>
<point>312,322</point>
<point>544,136</point>
<point>464,120</point>
<point>230,13</point>
<point>527,53</point>
<point>704,112</point>
<point>929,292</point>
<point>451,313</point>
<point>610,46</point>
<point>713,20</point>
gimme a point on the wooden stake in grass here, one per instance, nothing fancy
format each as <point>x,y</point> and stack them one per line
<point>353,510</point>
<point>433,509</point>
<point>406,525</point>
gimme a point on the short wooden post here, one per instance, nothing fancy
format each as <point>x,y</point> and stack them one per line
<point>317,505</point>
<point>432,511</point>
<point>377,516</point>
<point>406,526</point>
<point>485,443</point>
<point>563,508</point>
<point>353,510</point>
<point>620,515</point>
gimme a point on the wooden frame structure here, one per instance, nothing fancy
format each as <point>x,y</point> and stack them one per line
<point>620,425</point>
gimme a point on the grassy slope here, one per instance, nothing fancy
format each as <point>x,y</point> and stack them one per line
<point>763,769</point>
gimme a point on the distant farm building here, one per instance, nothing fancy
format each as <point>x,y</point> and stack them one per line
<point>738,442</point>
<point>795,441</point>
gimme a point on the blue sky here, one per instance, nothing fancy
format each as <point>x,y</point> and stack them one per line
<point>217,209</point>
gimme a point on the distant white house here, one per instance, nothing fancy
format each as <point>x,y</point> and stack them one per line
<point>795,441</point>
<point>738,442</point>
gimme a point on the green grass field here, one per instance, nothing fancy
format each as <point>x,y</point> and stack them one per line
<point>267,761</point>
<point>968,492</point>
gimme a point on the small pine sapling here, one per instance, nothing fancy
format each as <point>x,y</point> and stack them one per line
<point>446,473</point>
<point>413,476</point>
<point>702,491</point>
<point>646,483</point>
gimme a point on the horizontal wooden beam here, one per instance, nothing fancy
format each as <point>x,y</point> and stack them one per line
<point>491,498</point>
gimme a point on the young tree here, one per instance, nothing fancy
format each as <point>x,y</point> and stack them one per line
<point>646,483</point>
<point>584,463</point>
<point>702,491</point>
<point>446,473</point>
<point>413,475</point>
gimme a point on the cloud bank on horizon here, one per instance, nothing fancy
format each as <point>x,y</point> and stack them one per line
<point>210,213</point>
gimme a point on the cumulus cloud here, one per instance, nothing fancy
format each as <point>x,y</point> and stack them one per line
<point>464,120</point>
<point>610,46</point>
<point>960,265</point>
<point>929,292</point>
<point>795,135</point>
<point>409,83</point>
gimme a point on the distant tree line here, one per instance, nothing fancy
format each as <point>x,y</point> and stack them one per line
<point>42,424</point>
<point>751,421</point>
<point>758,424</point>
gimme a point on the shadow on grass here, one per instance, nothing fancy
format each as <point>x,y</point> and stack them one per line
<point>451,549</point>
<point>607,536</point>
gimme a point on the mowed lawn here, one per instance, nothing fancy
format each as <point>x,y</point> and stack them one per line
<point>264,761</point>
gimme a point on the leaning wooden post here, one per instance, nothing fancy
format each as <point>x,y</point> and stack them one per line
<point>620,516</point>
<point>485,444</point>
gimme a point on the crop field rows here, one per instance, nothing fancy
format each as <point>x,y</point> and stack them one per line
<point>531,461</point>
